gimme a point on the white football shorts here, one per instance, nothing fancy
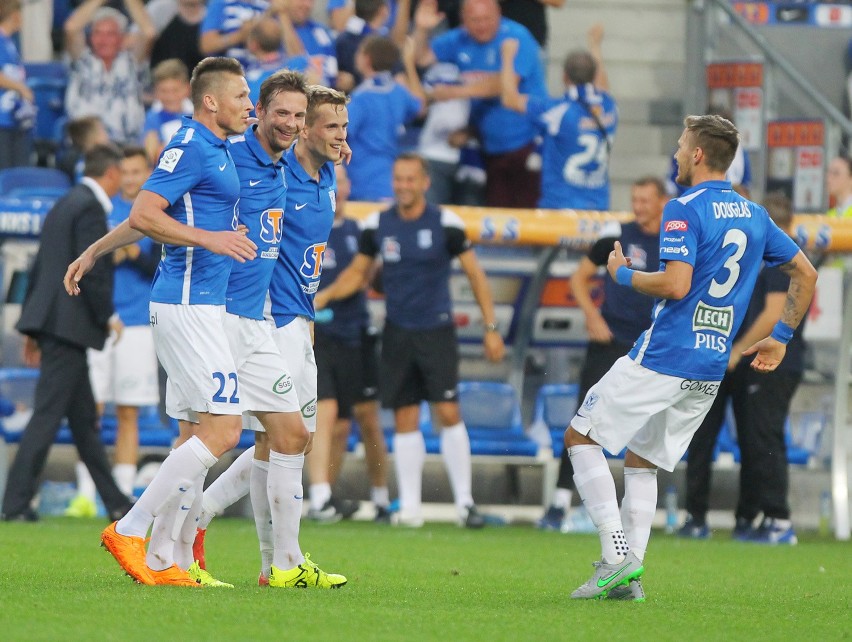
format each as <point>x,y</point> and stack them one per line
<point>265,383</point>
<point>193,348</point>
<point>125,371</point>
<point>652,414</point>
<point>296,348</point>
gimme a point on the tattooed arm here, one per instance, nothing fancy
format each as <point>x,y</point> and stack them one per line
<point>803,278</point>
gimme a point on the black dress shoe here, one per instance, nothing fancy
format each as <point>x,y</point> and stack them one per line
<point>26,515</point>
<point>117,514</point>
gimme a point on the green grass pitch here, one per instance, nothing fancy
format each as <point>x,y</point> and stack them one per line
<point>436,583</point>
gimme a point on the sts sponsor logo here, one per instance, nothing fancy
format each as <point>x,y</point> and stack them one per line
<point>270,225</point>
<point>312,264</point>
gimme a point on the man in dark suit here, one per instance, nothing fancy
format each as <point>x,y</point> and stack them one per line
<point>59,329</point>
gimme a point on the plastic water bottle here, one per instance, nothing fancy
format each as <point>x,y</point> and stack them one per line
<point>825,513</point>
<point>54,497</point>
<point>671,509</point>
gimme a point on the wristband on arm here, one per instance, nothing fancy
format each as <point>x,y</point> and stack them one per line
<point>624,276</point>
<point>782,332</point>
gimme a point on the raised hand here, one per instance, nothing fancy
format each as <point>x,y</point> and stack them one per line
<point>427,16</point>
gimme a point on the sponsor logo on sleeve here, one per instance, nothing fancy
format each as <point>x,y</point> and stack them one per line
<point>682,250</point>
<point>676,226</point>
<point>169,160</point>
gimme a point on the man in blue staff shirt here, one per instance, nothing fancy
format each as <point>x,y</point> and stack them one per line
<point>417,242</point>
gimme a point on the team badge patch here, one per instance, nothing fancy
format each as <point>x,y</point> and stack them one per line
<point>391,251</point>
<point>591,400</point>
<point>424,239</point>
<point>169,160</point>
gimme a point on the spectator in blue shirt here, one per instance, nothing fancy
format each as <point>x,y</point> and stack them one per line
<point>507,137</point>
<point>171,104</point>
<point>316,38</point>
<point>226,27</point>
<point>380,108</point>
<point>577,128</point>
<point>16,99</point>
<point>378,17</point>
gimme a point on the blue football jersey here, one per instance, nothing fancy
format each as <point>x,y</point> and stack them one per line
<point>726,239</point>
<point>375,141</point>
<point>502,130</point>
<point>308,216</point>
<point>196,175</point>
<point>263,193</point>
<point>416,259</point>
<point>350,314</point>
<point>131,287</point>
<point>575,151</point>
<point>227,16</point>
<point>319,45</point>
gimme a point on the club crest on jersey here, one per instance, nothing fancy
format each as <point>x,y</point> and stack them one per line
<point>424,239</point>
<point>332,196</point>
<point>329,259</point>
<point>708,317</point>
<point>271,221</point>
<point>312,263</point>
<point>638,256</point>
<point>235,222</point>
<point>391,252</point>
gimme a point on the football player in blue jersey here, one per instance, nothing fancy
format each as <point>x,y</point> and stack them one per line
<point>417,242</point>
<point>620,320</point>
<point>578,127</point>
<point>712,245</point>
<point>190,204</point>
<point>304,226</point>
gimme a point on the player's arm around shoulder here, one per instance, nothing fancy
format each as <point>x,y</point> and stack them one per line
<point>771,350</point>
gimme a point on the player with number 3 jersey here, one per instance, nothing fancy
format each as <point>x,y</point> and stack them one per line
<point>712,245</point>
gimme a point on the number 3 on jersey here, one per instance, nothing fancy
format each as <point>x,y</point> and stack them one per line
<point>222,380</point>
<point>732,237</point>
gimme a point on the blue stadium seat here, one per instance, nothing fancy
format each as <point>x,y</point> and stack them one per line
<point>48,82</point>
<point>33,182</point>
<point>554,408</point>
<point>492,414</point>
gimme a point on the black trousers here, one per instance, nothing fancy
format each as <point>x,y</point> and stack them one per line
<point>600,357</point>
<point>760,403</point>
<point>62,390</point>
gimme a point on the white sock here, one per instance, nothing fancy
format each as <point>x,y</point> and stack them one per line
<point>85,483</point>
<point>228,488</point>
<point>380,496</point>
<point>410,451</point>
<point>320,494</point>
<point>177,475</point>
<point>562,498</point>
<point>455,450</point>
<point>284,490</point>
<point>184,556</point>
<point>125,477</point>
<point>262,513</point>
<point>596,486</point>
<point>638,507</point>
<point>161,547</point>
